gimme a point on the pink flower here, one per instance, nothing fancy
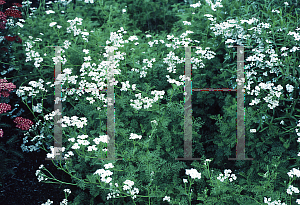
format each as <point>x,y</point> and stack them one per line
<point>17,4</point>
<point>23,123</point>
<point>4,93</point>
<point>1,133</point>
<point>10,38</point>
<point>2,20</point>
<point>15,13</point>
<point>4,107</point>
<point>4,85</point>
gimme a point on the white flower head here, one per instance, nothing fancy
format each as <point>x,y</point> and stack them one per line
<point>289,88</point>
<point>52,24</point>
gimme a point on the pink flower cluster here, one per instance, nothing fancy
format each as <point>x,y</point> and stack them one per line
<point>4,85</point>
<point>4,107</point>
<point>23,123</point>
<point>12,11</point>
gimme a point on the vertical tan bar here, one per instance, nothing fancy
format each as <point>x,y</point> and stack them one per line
<point>110,111</point>
<point>240,146</point>
<point>188,145</point>
<point>57,109</point>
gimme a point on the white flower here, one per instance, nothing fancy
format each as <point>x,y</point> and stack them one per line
<point>82,136</point>
<point>67,191</point>
<point>67,71</point>
<point>135,136</point>
<point>50,12</point>
<point>52,24</point>
<point>128,183</point>
<point>196,5</point>
<point>19,24</point>
<point>193,173</point>
<point>294,172</point>
<point>208,15</point>
<point>186,23</point>
<point>154,122</point>
<point>48,202</point>
<point>289,88</point>
<point>109,165</point>
<point>75,146</point>
<point>166,198</point>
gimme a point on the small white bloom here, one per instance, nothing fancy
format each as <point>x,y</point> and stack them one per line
<point>109,165</point>
<point>289,88</point>
<point>50,12</point>
<point>52,24</point>
<point>166,198</point>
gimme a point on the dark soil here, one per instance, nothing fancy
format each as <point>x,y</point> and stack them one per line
<point>23,188</point>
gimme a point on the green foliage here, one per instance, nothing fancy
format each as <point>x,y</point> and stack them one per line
<point>214,113</point>
<point>9,156</point>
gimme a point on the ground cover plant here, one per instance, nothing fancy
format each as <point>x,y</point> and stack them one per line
<point>8,153</point>
<point>149,103</point>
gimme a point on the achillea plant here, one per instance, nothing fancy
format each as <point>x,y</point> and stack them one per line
<point>148,132</point>
<point>8,140</point>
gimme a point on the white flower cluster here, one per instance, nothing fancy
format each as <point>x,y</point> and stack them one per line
<point>267,201</point>
<point>73,26</point>
<point>144,68</point>
<point>226,171</point>
<point>128,186</point>
<point>193,173</point>
<point>82,141</point>
<point>37,138</point>
<point>41,176</point>
<point>294,172</point>
<point>269,98</point>
<point>194,61</point>
<point>104,173</point>
<point>128,183</point>
<point>48,202</point>
<point>292,189</point>
<point>214,6</point>
<point>31,91</point>
<point>138,104</point>
<point>56,151</point>
<point>126,85</point>
<point>73,122</point>
<point>166,198</point>
<point>103,138</point>
<point>295,35</point>
<point>135,136</point>
<point>116,39</point>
